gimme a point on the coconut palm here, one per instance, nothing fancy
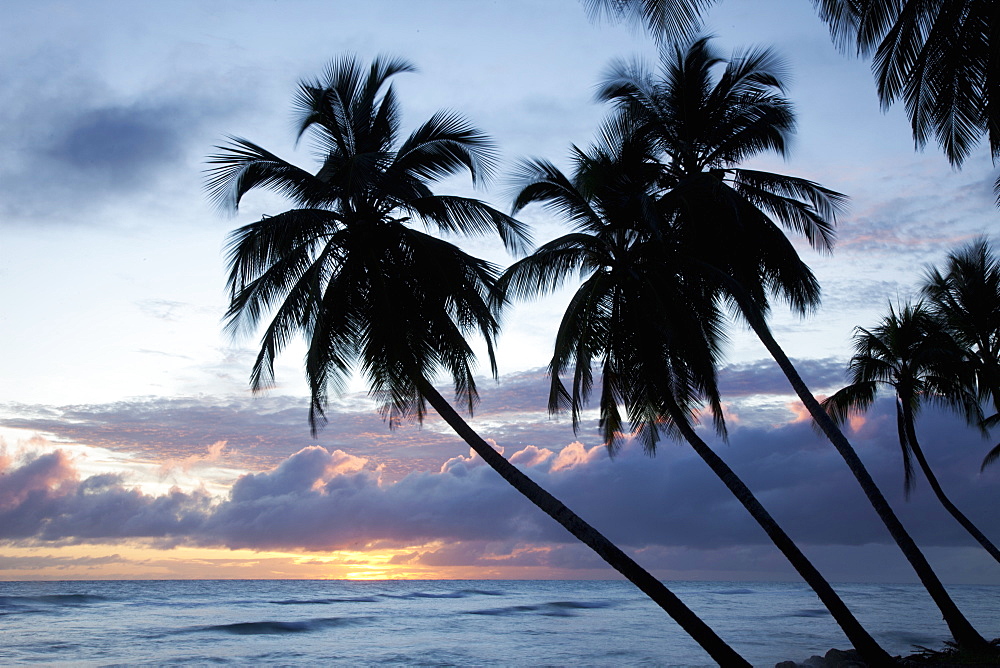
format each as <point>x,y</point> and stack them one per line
<point>912,355</point>
<point>731,218</point>
<point>673,19</point>
<point>940,58</point>
<point>966,298</point>
<point>649,323</point>
<point>368,291</point>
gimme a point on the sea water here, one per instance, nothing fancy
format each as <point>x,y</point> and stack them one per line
<point>447,623</point>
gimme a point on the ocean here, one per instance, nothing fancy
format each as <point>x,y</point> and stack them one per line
<point>447,622</point>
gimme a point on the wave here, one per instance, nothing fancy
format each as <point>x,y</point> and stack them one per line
<point>461,593</point>
<point>810,612</point>
<point>272,627</point>
<point>552,609</point>
<point>733,591</point>
<point>51,599</point>
<point>325,601</point>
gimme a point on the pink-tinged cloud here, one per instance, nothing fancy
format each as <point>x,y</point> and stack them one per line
<point>856,423</point>
<point>44,499</point>
<point>576,454</point>
<point>49,474</point>
<point>320,499</point>
<point>215,453</point>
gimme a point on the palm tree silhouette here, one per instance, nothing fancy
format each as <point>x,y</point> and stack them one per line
<point>347,270</point>
<point>650,324</point>
<point>939,58</point>
<point>966,299</point>
<point>731,218</point>
<point>909,352</point>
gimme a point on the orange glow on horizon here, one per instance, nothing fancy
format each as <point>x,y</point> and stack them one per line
<point>146,562</point>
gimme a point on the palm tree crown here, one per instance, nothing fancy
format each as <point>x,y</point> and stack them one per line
<point>911,354</point>
<point>663,221</point>
<point>345,267</point>
<point>653,331</point>
<point>965,296</point>
<point>702,123</point>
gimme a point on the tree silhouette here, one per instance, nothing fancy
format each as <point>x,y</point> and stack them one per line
<point>703,127</point>
<point>965,297</point>
<point>642,316</point>
<point>911,354</point>
<point>346,269</point>
<point>940,58</point>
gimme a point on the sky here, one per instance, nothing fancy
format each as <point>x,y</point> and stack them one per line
<point>131,444</point>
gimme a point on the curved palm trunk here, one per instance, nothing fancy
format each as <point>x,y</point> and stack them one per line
<point>870,650</point>
<point>911,434</point>
<point>691,623</point>
<point>962,631</point>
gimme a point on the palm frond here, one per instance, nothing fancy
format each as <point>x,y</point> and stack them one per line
<point>242,166</point>
<point>254,248</point>
<point>344,269</point>
<point>990,457</point>
<point>855,399</point>
<point>445,145</point>
<point>550,266</point>
<point>539,181</point>
<point>470,217</point>
<point>678,20</point>
<point>906,446</point>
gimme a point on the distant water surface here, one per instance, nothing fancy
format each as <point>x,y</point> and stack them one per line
<point>447,623</point>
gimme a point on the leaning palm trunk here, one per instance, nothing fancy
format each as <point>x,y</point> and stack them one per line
<point>961,629</point>
<point>870,650</point>
<point>959,516</point>
<point>691,623</point>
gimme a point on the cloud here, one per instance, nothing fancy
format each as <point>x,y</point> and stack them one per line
<point>43,499</point>
<point>120,145</point>
<point>324,500</point>
<point>36,562</point>
<point>74,142</point>
<point>262,431</point>
<point>765,377</point>
<point>216,453</point>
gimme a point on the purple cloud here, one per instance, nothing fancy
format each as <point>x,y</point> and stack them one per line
<point>670,505</point>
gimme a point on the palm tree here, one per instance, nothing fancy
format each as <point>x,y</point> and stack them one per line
<point>651,325</point>
<point>939,58</point>
<point>673,19</point>
<point>910,353</point>
<point>966,298</point>
<point>368,291</point>
<point>731,218</point>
